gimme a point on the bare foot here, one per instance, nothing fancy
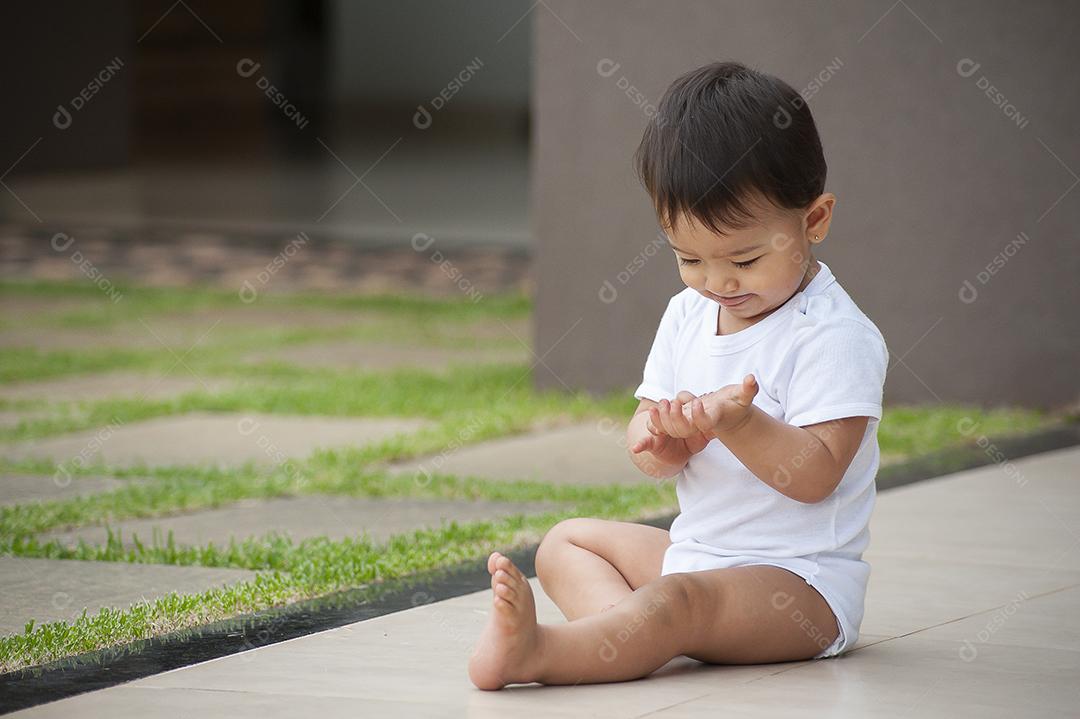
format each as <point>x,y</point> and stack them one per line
<point>508,650</point>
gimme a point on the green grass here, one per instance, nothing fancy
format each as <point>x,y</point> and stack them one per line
<point>97,310</point>
<point>466,404</point>
<point>19,364</point>
<point>290,572</point>
<point>911,431</point>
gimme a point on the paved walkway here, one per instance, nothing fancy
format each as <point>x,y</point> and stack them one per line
<point>333,517</point>
<point>213,438</point>
<point>971,610</point>
<point>229,439</point>
<point>580,454</point>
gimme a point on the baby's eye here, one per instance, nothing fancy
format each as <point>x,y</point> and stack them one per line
<point>747,263</point>
<point>684,261</point>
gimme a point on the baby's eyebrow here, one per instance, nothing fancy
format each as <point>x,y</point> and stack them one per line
<point>740,251</point>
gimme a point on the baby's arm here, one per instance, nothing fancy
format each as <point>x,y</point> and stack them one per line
<point>804,463</point>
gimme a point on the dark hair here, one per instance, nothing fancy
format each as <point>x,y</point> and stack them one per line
<point>723,137</point>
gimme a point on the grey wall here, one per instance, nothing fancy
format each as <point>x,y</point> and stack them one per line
<point>934,181</point>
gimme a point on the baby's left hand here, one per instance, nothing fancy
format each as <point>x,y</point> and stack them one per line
<point>727,408</point>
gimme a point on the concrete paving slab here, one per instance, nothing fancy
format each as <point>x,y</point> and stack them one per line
<point>305,516</point>
<point>220,439</point>
<point>968,515</point>
<point>910,676</point>
<point>136,703</point>
<point>1019,668</point>
<point>24,306</point>
<point>1026,620</point>
<point>19,489</point>
<point>49,590</point>
<point>586,453</point>
<point>376,356</point>
<point>13,417</point>
<point>916,593</point>
<point>113,385</point>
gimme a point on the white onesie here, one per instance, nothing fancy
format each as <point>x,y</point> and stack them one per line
<point>815,358</point>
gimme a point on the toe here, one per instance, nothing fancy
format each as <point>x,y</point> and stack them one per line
<point>492,559</point>
<point>506,592</point>
<point>506,579</point>
<point>509,567</point>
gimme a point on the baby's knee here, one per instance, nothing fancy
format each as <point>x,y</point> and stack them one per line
<point>668,597</point>
<point>681,599</point>
<point>549,548</point>
<point>550,554</point>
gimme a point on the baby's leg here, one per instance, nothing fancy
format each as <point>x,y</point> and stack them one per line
<point>738,615</point>
<point>587,565</point>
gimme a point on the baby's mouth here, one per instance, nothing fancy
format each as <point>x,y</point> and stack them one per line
<point>733,300</point>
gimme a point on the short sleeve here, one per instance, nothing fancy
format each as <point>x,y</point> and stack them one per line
<point>658,379</point>
<point>836,371</point>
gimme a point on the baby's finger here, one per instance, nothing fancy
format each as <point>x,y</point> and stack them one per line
<point>677,419</point>
<point>673,419</point>
<point>653,424</point>
<point>688,409</point>
<point>662,413</point>
<point>685,397</point>
<point>702,421</point>
<point>641,445</point>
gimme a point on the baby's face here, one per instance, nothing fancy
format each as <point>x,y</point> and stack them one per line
<point>767,262</point>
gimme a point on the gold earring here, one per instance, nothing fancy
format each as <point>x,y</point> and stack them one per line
<point>816,237</point>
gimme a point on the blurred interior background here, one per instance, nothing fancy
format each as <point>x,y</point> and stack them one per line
<point>179,136</point>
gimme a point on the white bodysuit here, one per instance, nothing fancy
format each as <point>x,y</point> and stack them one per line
<point>815,358</point>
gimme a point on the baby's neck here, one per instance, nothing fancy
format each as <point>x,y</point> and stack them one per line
<point>811,272</point>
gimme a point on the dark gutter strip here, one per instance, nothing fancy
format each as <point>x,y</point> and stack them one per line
<point>115,665</point>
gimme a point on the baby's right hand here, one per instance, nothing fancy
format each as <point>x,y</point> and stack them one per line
<point>668,421</point>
